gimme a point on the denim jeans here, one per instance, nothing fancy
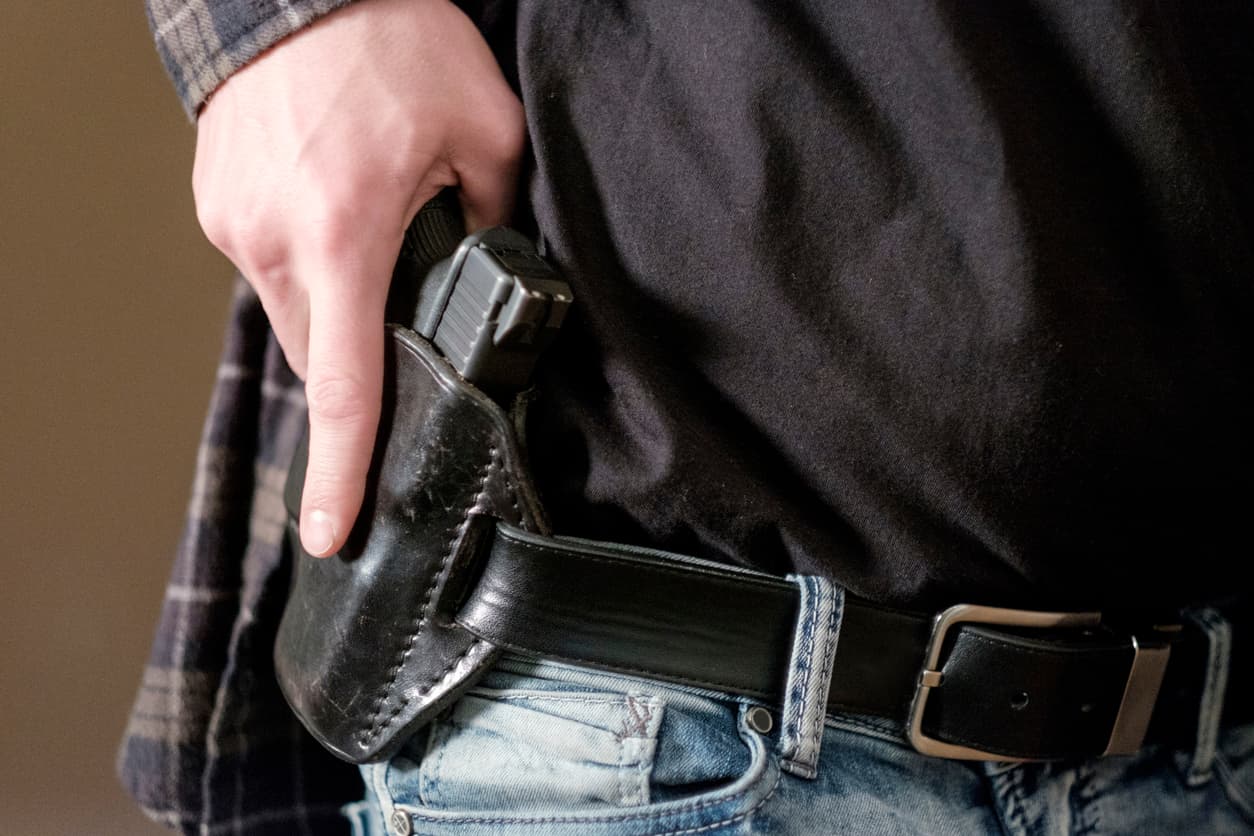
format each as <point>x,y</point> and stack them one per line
<point>543,747</point>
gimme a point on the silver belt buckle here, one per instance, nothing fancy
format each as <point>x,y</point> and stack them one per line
<point>1145,677</point>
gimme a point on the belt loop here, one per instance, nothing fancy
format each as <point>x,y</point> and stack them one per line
<point>1218,634</point>
<point>809,674</point>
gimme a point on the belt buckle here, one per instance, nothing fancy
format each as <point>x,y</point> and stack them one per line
<point>1149,663</point>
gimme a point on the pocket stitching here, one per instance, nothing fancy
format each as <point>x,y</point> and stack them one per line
<point>738,817</point>
<point>612,819</point>
<point>637,774</point>
<point>430,781</point>
<point>645,728</point>
<point>760,756</point>
<point>540,698</point>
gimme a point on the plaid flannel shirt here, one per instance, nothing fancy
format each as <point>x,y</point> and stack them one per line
<point>202,42</point>
<point>211,746</point>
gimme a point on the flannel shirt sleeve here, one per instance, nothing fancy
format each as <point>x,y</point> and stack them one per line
<point>202,42</point>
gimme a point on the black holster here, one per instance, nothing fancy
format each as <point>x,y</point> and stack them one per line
<point>367,650</point>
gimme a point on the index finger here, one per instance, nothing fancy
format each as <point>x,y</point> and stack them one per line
<point>343,388</point>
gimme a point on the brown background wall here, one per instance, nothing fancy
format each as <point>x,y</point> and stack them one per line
<point>111,304</point>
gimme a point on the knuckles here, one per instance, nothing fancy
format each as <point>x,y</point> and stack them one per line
<point>215,222</point>
<point>503,129</point>
<point>331,233</point>
<point>337,399</point>
<point>509,141</point>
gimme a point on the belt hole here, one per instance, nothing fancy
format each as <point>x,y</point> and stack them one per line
<point>1019,700</point>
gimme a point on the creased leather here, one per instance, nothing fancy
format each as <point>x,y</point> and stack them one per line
<point>367,650</point>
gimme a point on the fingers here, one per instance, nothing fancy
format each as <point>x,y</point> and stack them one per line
<point>487,165</point>
<point>487,197</point>
<point>343,389</point>
<point>287,309</point>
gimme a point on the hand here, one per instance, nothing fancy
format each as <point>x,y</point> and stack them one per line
<point>310,163</point>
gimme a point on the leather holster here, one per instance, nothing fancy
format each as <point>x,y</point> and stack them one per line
<point>367,649</point>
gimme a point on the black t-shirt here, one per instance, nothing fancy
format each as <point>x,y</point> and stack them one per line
<point>945,301</point>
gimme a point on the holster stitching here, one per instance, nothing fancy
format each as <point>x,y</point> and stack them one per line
<point>377,726</point>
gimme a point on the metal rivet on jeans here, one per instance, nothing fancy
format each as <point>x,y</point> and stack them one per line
<point>401,824</point>
<point>759,719</point>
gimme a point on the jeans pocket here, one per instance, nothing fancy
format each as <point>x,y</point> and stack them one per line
<point>524,750</point>
<point>585,753</point>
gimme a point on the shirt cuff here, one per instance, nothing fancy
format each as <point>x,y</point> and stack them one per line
<point>202,42</point>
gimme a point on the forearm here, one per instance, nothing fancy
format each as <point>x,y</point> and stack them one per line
<point>203,42</point>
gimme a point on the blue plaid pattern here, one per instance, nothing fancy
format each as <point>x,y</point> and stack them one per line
<point>211,746</point>
<point>202,42</point>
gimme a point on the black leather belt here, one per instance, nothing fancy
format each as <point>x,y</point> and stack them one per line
<point>975,683</point>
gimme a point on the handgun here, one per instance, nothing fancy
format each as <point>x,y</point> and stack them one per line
<point>488,301</point>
